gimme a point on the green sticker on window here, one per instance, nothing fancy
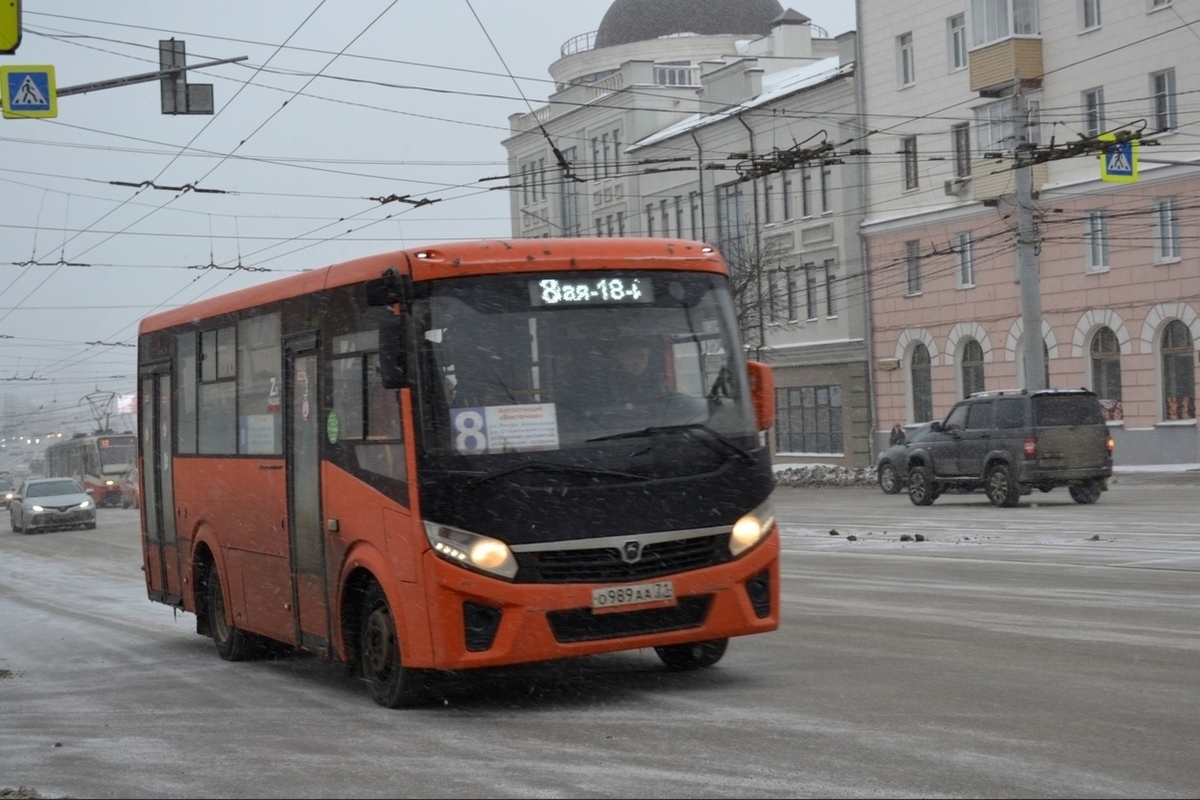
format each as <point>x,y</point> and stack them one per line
<point>332,427</point>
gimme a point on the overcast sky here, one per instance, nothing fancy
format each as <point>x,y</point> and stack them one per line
<point>337,102</point>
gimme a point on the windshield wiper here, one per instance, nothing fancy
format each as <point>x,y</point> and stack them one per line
<point>740,451</point>
<point>565,469</point>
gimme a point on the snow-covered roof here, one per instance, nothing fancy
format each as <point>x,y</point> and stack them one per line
<point>775,85</point>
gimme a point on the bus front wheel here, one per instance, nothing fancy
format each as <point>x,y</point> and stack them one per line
<point>392,685</point>
<point>696,655</point>
<point>232,643</point>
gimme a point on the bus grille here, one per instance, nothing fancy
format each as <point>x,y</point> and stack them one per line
<point>581,625</point>
<point>605,565</point>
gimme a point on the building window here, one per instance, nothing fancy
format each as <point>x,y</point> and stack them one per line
<point>1093,112</point>
<point>607,153</point>
<point>664,214</point>
<point>1106,373</point>
<point>1095,240</point>
<point>1178,372</point>
<point>808,419</point>
<point>995,131</point>
<point>993,20</point>
<point>961,136</point>
<point>597,164</point>
<point>906,68</point>
<point>650,219</point>
<point>964,256</point>
<point>620,223</point>
<point>830,281</point>
<point>958,42</point>
<point>972,368</point>
<point>921,376</point>
<point>1091,14</point>
<point>805,191</point>
<point>679,217</point>
<point>787,194</point>
<point>768,199</point>
<point>826,188</point>
<point>1162,100</point>
<point>1166,230</point>
<point>793,302</point>
<point>810,291</point>
<point>694,210</point>
<point>909,144</point>
<point>730,221</point>
<point>912,266</point>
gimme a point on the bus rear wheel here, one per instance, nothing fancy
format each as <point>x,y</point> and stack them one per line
<point>695,655</point>
<point>233,644</point>
<point>392,684</point>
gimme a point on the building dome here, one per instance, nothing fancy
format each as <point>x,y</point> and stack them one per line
<point>644,20</point>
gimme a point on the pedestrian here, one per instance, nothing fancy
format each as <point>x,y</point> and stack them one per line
<point>897,435</point>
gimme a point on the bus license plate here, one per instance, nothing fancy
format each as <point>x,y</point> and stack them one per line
<point>612,597</point>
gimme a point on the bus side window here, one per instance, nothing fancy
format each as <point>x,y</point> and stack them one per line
<point>369,416</point>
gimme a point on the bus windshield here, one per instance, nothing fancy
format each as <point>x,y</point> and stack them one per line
<point>549,363</point>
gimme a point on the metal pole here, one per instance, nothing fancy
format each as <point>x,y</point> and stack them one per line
<point>1028,269</point>
<point>145,77</point>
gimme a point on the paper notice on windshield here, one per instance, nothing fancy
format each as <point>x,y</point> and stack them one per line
<point>504,429</point>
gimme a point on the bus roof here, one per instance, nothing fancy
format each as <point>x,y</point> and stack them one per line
<point>458,259</point>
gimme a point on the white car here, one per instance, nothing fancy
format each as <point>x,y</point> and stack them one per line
<point>51,503</point>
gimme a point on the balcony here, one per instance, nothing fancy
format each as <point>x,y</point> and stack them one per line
<point>995,67</point>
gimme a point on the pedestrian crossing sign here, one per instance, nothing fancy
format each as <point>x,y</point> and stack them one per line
<point>1119,160</point>
<point>28,92</point>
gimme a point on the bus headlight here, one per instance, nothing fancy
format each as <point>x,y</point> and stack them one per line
<point>751,529</point>
<point>471,550</point>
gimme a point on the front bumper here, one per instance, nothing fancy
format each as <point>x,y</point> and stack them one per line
<point>538,622</point>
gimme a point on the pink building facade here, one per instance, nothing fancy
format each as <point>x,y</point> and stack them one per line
<point>1120,315</point>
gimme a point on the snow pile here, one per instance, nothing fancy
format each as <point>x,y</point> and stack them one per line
<point>806,475</point>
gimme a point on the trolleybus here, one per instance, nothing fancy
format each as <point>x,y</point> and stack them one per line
<point>96,461</point>
<point>429,459</point>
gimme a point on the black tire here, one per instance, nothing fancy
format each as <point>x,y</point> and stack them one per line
<point>233,644</point>
<point>889,478</point>
<point>695,655</point>
<point>1084,495</point>
<point>1000,487</point>
<point>392,685</point>
<point>921,489</point>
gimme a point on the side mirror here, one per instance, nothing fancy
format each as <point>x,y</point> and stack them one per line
<point>90,491</point>
<point>393,351</point>
<point>762,393</point>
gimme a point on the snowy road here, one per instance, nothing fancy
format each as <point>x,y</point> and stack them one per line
<point>1044,651</point>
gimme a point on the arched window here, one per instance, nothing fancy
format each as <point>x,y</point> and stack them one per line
<point>922,384</point>
<point>972,368</point>
<point>1178,373</point>
<point>1106,372</point>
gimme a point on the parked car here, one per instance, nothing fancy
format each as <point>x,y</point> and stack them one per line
<point>131,490</point>
<point>891,468</point>
<point>1011,442</point>
<point>50,503</point>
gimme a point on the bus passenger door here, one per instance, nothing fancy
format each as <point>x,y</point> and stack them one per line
<point>306,535</point>
<point>160,542</point>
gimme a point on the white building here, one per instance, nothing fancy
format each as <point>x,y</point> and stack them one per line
<point>732,122</point>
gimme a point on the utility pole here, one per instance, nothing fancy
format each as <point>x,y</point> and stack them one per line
<point>1028,269</point>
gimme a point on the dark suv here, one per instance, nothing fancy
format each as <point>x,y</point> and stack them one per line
<point>1012,442</point>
